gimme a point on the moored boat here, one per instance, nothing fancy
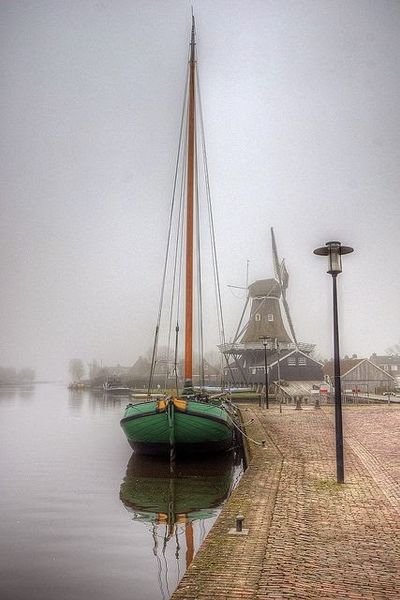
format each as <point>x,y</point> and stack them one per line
<point>189,426</point>
<point>191,422</point>
<point>114,386</point>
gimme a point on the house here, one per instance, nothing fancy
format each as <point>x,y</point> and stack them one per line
<point>361,375</point>
<point>291,365</point>
<point>389,363</point>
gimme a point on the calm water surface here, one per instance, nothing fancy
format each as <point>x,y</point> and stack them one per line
<point>80,516</point>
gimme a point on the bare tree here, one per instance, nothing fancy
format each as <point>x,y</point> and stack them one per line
<point>76,369</point>
<point>395,349</point>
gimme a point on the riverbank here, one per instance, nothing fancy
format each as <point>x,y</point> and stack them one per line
<point>309,538</point>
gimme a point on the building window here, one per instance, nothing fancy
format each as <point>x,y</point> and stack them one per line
<point>270,317</point>
<point>291,361</point>
<point>393,367</point>
<point>255,370</point>
<point>302,361</point>
<point>257,317</point>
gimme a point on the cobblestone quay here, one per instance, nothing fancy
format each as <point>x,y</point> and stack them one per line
<point>309,537</point>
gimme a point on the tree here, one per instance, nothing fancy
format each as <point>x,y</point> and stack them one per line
<point>76,369</point>
<point>395,349</point>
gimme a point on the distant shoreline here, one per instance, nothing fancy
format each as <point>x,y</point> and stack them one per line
<point>26,383</point>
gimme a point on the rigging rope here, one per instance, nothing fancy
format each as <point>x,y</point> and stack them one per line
<point>199,281</point>
<point>177,268</point>
<point>154,353</point>
<point>211,220</point>
<point>243,433</point>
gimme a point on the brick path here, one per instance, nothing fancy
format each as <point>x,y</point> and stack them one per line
<point>309,538</point>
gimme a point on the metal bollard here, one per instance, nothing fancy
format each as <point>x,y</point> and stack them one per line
<point>239,523</point>
<point>298,403</point>
<point>239,529</point>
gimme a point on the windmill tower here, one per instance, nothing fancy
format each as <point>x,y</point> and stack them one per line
<point>265,319</point>
<point>265,314</point>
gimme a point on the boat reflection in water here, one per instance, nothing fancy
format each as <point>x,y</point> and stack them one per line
<point>172,497</point>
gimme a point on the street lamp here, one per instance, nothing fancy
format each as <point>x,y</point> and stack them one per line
<point>265,339</point>
<point>334,251</point>
<point>278,350</point>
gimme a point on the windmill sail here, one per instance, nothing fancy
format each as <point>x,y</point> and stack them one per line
<point>282,277</point>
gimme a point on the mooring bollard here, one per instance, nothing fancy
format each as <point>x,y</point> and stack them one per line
<point>317,404</point>
<point>239,523</point>
<point>298,403</point>
<point>239,529</point>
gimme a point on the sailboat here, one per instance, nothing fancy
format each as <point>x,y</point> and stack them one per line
<point>191,422</point>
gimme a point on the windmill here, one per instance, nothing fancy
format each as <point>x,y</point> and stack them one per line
<point>268,305</point>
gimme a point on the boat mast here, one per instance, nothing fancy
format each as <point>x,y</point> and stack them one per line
<point>190,211</point>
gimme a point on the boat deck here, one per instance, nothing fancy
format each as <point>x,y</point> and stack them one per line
<point>309,538</point>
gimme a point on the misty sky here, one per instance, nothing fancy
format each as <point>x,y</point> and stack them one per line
<point>301,108</point>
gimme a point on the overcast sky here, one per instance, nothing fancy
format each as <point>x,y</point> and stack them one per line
<point>301,108</point>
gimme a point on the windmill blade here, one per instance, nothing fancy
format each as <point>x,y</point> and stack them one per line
<point>282,276</point>
<point>275,257</point>
<point>239,331</point>
<point>289,318</point>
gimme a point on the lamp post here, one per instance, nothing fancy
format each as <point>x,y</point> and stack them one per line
<point>278,350</point>
<point>334,251</point>
<point>264,339</point>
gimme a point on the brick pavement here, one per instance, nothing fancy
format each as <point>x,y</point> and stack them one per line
<point>309,538</point>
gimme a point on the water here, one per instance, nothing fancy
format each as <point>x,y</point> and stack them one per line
<point>83,518</point>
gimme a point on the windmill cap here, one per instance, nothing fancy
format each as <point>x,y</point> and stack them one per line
<point>264,287</point>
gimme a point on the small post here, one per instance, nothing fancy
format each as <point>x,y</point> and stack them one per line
<point>298,403</point>
<point>238,529</point>
<point>239,523</point>
<point>317,404</point>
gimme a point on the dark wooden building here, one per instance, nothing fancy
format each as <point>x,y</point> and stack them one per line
<point>290,365</point>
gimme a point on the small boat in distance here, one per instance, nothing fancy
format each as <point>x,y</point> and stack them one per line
<point>115,386</point>
<point>192,422</point>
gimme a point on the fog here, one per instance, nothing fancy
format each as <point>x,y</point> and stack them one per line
<point>300,102</point>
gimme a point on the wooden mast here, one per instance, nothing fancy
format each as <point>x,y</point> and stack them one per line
<point>190,212</point>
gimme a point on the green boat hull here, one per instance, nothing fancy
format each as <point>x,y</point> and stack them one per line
<point>190,427</point>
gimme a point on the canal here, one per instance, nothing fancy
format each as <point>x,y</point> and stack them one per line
<point>81,517</point>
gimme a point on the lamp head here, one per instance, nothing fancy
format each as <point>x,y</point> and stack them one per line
<point>265,339</point>
<point>334,251</point>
